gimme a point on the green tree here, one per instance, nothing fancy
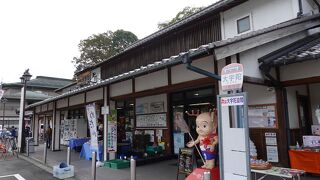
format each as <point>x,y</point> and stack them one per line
<point>100,47</point>
<point>187,11</point>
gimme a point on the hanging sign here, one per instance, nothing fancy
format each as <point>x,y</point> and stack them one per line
<point>92,121</point>
<point>232,77</point>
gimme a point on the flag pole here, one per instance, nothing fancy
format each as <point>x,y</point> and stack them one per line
<point>196,148</point>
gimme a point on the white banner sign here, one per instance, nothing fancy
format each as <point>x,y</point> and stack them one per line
<point>92,121</point>
<point>232,101</point>
<point>1,93</point>
<point>112,136</point>
<point>232,77</point>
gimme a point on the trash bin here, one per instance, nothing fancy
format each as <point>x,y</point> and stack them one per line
<point>63,171</point>
<point>31,144</point>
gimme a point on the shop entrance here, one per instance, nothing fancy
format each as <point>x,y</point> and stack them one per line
<point>303,112</point>
<point>196,101</point>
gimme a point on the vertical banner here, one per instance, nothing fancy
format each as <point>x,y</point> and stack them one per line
<point>112,131</point>
<point>92,121</point>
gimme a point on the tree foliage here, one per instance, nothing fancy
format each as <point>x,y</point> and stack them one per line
<point>187,11</point>
<point>100,47</point>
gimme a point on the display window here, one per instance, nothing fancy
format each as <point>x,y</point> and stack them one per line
<point>125,126</point>
<point>193,101</point>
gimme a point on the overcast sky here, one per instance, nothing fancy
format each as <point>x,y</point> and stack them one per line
<point>43,35</point>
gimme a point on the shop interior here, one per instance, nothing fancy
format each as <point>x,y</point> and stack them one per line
<point>304,121</point>
<point>193,101</point>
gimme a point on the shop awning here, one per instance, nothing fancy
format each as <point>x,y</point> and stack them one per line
<point>303,50</point>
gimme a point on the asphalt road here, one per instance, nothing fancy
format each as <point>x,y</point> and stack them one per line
<point>19,169</point>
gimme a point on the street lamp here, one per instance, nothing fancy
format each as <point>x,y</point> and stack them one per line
<point>21,138</point>
<point>3,101</point>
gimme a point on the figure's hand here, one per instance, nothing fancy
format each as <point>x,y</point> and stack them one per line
<point>190,143</point>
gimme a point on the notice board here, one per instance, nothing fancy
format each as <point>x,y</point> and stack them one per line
<point>262,116</point>
<point>151,120</point>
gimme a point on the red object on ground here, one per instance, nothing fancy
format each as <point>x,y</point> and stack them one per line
<point>197,174</point>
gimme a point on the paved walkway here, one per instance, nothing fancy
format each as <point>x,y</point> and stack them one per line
<point>163,170</point>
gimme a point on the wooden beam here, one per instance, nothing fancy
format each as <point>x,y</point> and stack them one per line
<point>246,44</point>
<point>168,89</point>
<point>296,82</point>
<point>258,81</point>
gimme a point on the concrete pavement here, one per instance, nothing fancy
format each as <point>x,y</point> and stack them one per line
<point>163,170</point>
<point>23,168</point>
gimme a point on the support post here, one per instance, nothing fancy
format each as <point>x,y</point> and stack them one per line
<point>93,166</point>
<point>206,176</point>
<point>133,168</point>
<point>45,153</point>
<point>68,156</point>
<point>28,148</point>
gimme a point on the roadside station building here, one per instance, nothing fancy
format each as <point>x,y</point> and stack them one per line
<point>149,87</point>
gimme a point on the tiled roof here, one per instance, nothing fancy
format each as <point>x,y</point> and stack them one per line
<point>30,95</point>
<point>44,82</point>
<point>175,59</point>
<point>150,67</point>
<point>305,49</point>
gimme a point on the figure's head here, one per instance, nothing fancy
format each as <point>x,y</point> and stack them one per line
<point>206,123</point>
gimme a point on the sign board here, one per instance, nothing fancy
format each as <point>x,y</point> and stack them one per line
<point>272,154</point>
<point>232,77</point>
<point>271,139</point>
<point>151,121</point>
<point>233,137</point>
<point>311,141</point>
<point>105,110</point>
<point>112,131</point>
<point>1,93</point>
<point>232,101</point>
<point>262,116</point>
<point>92,121</point>
<point>271,147</point>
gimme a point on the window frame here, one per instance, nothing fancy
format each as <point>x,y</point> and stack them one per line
<point>242,18</point>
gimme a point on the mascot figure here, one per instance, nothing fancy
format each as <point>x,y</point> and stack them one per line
<point>207,137</point>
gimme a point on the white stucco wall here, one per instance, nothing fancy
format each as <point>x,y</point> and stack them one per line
<point>258,94</point>
<point>300,70</point>
<point>152,80</point>
<point>94,95</point>
<point>44,107</point>
<point>38,109</point>
<point>315,100</point>
<point>77,99</point>
<point>180,73</point>
<point>221,64</point>
<point>121,88</point>
<point>292,104</point>
<point>62,103</point>
<point>50,106</point>
<point>263,14</point>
